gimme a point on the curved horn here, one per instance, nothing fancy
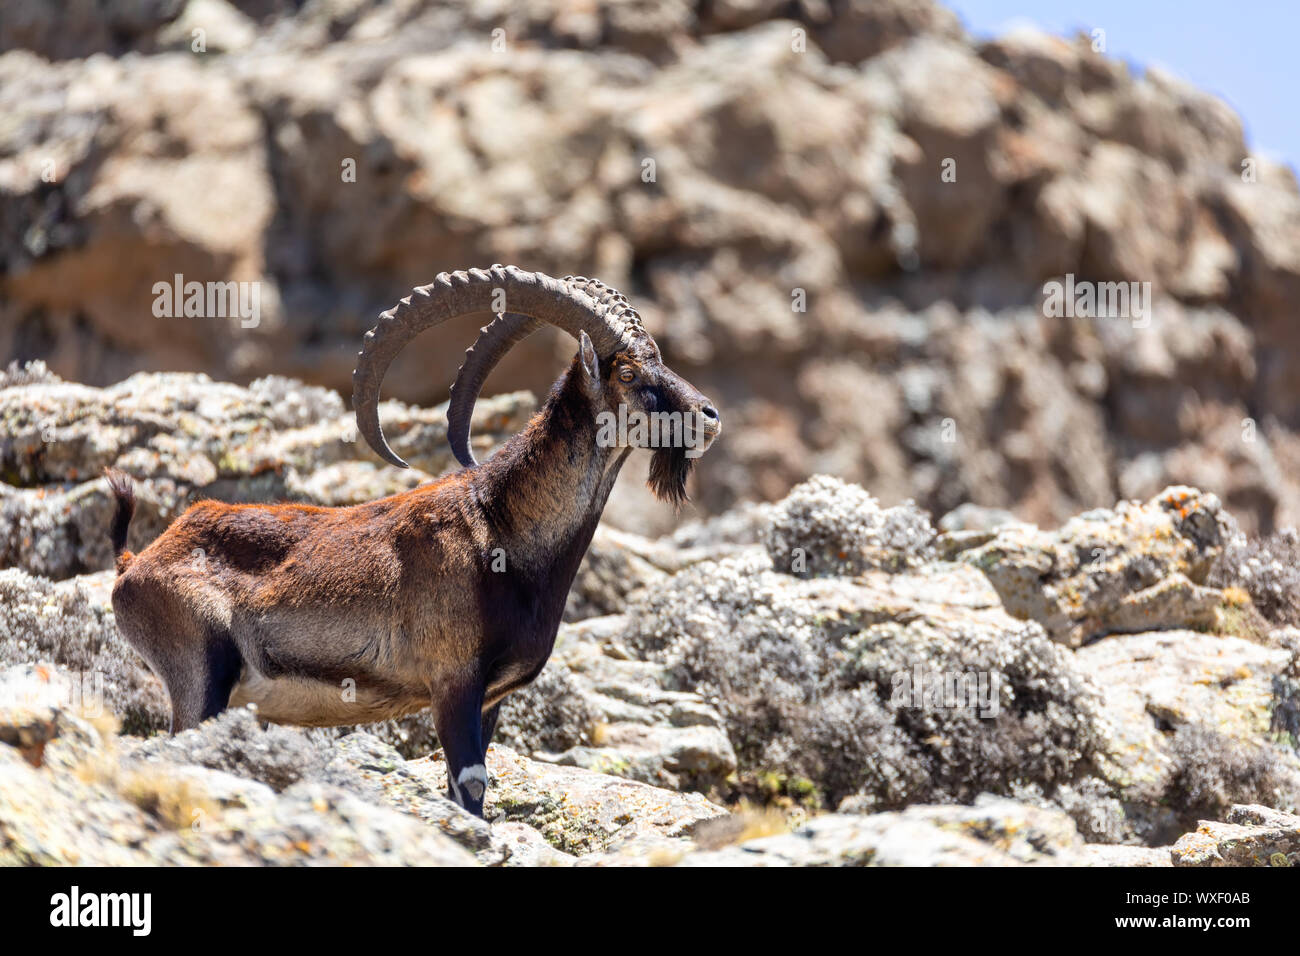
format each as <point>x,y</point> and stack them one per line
<point>499,337</point>
<point>495,339</point>
<point>568,305</point>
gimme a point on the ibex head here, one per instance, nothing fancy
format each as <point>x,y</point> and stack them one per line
<point>642,403</point>
<point>637,400</point>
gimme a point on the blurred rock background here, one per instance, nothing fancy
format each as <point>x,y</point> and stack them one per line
<point>721,162</point>
<point>838,219</point>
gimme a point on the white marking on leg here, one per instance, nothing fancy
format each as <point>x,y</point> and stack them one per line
<point>474,780</point>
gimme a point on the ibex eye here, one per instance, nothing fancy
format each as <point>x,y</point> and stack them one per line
<point>626,375</point>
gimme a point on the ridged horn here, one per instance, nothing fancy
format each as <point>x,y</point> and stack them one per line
<point>571,306</point>
<point>504,333</point>
<point>495,339</point>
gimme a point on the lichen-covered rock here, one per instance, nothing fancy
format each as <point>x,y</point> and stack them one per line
<point>579,811</point>
<point>827,686</point>
<point>1193,726</point>
<point>72,795</point>
<point>70,623</point>
<point>43,703</point>
<point>1158,681</point>
<point>235,742</point>
<point>233,792</point>
<point>634,725</point>
<point>191,816</point>
<point>1251,836</point>
<point>524,846</point>
<point>876,691</point>
<point>615,566</point>
<point>1103,854</point>
<point>1138,567</point>
<point>184,437</point>
<point>993,832</point>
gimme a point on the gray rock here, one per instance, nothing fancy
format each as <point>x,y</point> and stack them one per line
<point>576,810</point>
<point>991,833</point>
<point>235,742</point>
<point>91,802</point>
<point>183,437</point>
<point>974,518</point>
<point>70,624</point>
<point>1139,567</point>
<point>1251,836</point>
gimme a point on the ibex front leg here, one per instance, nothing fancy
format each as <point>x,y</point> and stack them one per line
<point>489,725</point>
<point>458,718</point>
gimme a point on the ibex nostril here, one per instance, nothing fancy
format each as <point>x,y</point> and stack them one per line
<point>709,412</point>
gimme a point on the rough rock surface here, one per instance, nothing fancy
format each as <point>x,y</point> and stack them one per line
<point>183,438</point>
<point>1251,836</point>
<point>1133,568</point>
<point>635,725</point>
<point>87,802</point>
<point>70,623</point>
<point>724,681</point>
<point>363,150</point>
<point>993,832</point>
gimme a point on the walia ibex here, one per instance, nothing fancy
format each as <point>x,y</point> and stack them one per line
<point>447,596</point>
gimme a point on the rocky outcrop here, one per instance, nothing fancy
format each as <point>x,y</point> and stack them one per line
<point>889,254</point>
<point>633,724</point>
<point>1134,568</point>
<point>70,623</point>
<point>1251,836</point>
<point>993,832</point>
<point>182,438</point>
<point>80,800</point>
<point>821,653</point>
<point>982,660</point>
<point>233,793</point>
<point>882,706</point>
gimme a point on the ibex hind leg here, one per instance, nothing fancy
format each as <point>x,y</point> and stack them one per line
<point>200,679</point>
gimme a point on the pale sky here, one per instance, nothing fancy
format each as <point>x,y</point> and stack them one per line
<point>1244,52</point>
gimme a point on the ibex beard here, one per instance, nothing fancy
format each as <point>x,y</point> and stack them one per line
<point>448,596</point>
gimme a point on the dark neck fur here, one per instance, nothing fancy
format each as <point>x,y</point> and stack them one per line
<point>543,492</point>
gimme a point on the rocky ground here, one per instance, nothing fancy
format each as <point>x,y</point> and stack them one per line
<point>724,163</point>
<point>755,689</point>
<point>837,220</point>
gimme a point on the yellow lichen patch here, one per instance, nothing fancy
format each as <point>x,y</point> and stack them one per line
<point>748,822</point>
<point>172,800</point>
<point>665,857</point>
<point>1236,616</point>
<point>1236,597</point>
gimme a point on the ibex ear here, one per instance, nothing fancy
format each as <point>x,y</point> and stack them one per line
<point>590,365</point>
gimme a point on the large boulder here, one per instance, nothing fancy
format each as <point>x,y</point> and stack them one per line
<point>1138,567</point>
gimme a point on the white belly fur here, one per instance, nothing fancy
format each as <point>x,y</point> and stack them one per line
<point>293,700</point>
